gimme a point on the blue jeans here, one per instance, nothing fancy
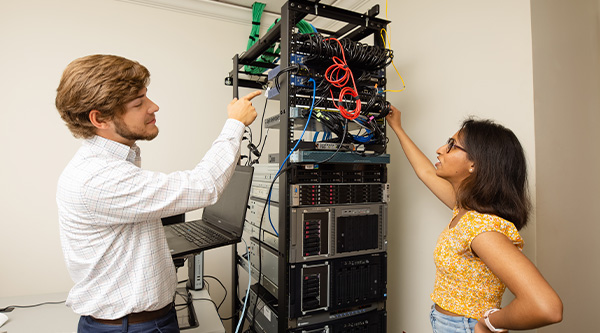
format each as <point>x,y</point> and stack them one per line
<point>441,323</point>
<point>165,324</point>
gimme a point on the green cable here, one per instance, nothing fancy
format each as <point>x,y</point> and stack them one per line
<point>272,53</point>
<point>305,27</point>
<point>257,10</point>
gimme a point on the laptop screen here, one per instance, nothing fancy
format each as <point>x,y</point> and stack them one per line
<point>230,211</point>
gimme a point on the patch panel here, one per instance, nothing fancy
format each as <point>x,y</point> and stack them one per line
<point>254,214</point>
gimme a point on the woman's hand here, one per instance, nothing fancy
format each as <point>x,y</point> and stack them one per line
<point>536,304</point>
<point>394,119</point>
<point>481,327</point>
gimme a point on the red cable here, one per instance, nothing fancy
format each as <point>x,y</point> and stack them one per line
<point>338,75</point>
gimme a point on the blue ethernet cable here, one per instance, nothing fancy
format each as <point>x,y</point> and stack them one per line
<point>247,291</point>
<point>298,142</point>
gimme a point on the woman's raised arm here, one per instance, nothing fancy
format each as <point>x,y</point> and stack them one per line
<point>422,166</point>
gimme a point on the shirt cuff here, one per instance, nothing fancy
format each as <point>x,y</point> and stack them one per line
<point>234,127</point>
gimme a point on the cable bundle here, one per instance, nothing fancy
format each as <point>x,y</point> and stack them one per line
<point>359,55</point>
<point>377,104</point>
<point>272,53</point>
<point>333,122</point>
<point>338,75</point>
<point>257,10</point>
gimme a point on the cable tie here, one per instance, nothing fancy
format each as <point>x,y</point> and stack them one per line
<point>256,23</point>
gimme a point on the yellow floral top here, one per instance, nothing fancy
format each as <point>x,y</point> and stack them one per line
<point>463,283</point>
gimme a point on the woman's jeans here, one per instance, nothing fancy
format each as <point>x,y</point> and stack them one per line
<point>165,324</point>
<point>441,323</point>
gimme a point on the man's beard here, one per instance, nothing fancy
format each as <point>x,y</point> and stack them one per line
<point>126,133</point>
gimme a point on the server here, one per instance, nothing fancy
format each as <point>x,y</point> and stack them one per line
<point>316,225</point>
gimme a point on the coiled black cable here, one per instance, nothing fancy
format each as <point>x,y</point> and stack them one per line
<point>357,54</point>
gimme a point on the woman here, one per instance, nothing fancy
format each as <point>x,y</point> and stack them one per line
<point>482,176</point>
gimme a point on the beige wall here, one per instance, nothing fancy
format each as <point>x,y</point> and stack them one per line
<point>566,59</point>
<point>458,58</point>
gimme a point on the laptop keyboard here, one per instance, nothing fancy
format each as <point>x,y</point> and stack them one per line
<point>197,233</point>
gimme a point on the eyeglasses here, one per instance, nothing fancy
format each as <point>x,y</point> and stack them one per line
<point>451,144</point>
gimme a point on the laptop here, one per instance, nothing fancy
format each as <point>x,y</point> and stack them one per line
<point>221,224</point>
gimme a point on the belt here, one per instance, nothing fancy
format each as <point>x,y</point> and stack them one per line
<point>137,317</point>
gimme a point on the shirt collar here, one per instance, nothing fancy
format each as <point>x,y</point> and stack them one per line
<point>114,149</point>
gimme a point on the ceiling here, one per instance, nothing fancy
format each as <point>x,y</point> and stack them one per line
<point>272,6</point>
<point>237,10</point>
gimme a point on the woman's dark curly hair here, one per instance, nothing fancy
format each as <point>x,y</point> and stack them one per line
<point>498,184</point>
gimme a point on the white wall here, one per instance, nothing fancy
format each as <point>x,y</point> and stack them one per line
<point>458,58</point>
<point>188,56</point>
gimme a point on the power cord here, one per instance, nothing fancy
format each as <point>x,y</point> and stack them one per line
<point>254,148</point>
<point>10,308</point>
<point>224,289</point>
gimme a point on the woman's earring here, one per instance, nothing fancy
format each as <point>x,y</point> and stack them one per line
<point>471,170</point>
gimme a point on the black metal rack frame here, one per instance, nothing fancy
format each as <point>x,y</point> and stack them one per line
<point>357,27</point>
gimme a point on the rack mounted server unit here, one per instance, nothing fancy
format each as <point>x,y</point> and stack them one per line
<point>366,319</point>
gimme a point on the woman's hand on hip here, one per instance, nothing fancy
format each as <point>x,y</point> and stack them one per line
<point>481,327</point>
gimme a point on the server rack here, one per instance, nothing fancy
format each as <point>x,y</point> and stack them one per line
<point>280,299</point>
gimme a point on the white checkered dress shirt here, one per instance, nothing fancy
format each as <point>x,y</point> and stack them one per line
<point>109,212</point>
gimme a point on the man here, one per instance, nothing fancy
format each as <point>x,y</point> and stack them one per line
<point>110,210</point>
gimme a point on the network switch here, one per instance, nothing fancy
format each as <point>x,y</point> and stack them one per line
<point>258,211</point>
